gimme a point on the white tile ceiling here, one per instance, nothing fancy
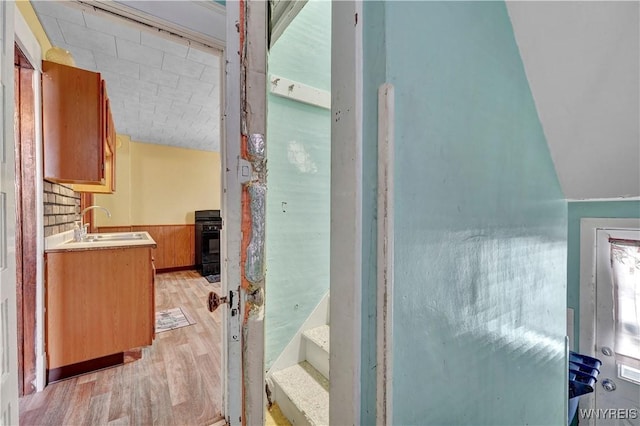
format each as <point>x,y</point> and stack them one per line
<point>162,89</point>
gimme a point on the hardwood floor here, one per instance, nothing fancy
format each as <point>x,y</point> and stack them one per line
<point>177,381</point>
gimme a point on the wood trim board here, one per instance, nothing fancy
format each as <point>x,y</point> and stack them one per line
<point>26,224</point>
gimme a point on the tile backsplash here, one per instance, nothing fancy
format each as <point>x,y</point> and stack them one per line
<point>61,208</point>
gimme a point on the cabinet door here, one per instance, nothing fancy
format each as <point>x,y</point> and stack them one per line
<point>98,303</point>
<point>73,124</point>
<point>108,186</point>
<point>111,140</point>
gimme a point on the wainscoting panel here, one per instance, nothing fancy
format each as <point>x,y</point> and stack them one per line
<point>175,243</point>
<point>113,229</point>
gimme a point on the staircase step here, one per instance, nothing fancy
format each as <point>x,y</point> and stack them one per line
<point>302,393</point>
<point>319,336</point>
<point>317,348</point>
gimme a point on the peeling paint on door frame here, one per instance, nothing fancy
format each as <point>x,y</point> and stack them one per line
<point>243,173</point>
<point>253,86</point>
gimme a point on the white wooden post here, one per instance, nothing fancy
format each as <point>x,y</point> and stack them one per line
<point>384,349</point>
<point>346,213</point>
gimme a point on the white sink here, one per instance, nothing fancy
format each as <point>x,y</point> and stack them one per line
<point>114,237</point>
<point>64,241</point>
<point>118,236</point>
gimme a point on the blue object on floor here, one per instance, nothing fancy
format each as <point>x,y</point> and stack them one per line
<point>583,373</point>
<point>215,278</point>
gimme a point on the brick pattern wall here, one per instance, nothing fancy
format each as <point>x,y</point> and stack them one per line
<point>61,208</point>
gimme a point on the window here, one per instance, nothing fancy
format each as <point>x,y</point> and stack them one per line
<point>625,265</point>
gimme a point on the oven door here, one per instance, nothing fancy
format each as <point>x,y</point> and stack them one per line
<point>210,247</point>
<point>207,242</point>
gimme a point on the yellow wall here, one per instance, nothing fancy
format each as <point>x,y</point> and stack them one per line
<point>29,15</point>
<point>160,185</point>
<point>118,203</point>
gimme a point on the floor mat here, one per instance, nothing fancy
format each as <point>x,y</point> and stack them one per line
<point>213,278</point>
<point>170,319</point>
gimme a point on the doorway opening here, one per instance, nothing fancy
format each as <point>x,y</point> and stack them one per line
<point>298,218</point>
<point>181,361</point>
<point>609,305</point>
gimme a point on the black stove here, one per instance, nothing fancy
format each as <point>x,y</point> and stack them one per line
<point>208,226</point>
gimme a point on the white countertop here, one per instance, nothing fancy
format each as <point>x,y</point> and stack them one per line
<point>64,241</point>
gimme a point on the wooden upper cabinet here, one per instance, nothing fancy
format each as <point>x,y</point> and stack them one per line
<point>78,130</point>
<point>73,122</point>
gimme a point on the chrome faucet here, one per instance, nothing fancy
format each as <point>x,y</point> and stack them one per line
<point>83,226</point>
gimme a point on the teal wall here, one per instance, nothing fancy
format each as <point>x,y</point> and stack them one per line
<point>480,225</point>
<point>577,211</point>
<point>298,163</point>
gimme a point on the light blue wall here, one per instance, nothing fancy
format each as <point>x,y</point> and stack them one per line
<point>303,51</point>
<point>481,222</point>
<point>298,163</point>
<point>577,211</point>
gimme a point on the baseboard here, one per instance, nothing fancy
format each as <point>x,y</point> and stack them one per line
<point>66,371</point>
<point>176,269</point>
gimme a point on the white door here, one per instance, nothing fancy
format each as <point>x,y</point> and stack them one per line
<point>617,393</point>
<point>8,321</point>
<point>243,210</point>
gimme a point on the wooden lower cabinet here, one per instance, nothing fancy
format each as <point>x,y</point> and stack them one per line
<point>98,303</point>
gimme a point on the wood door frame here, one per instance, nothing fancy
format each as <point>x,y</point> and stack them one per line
<point>244,178</point>
<point>588,261</point>
<point>26,222</point>
<point>232,400</point>
<point>346,212</point>
<point>24,38</point>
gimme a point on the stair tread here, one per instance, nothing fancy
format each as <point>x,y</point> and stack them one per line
<point>319,336</point>
<point>308,389</point>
